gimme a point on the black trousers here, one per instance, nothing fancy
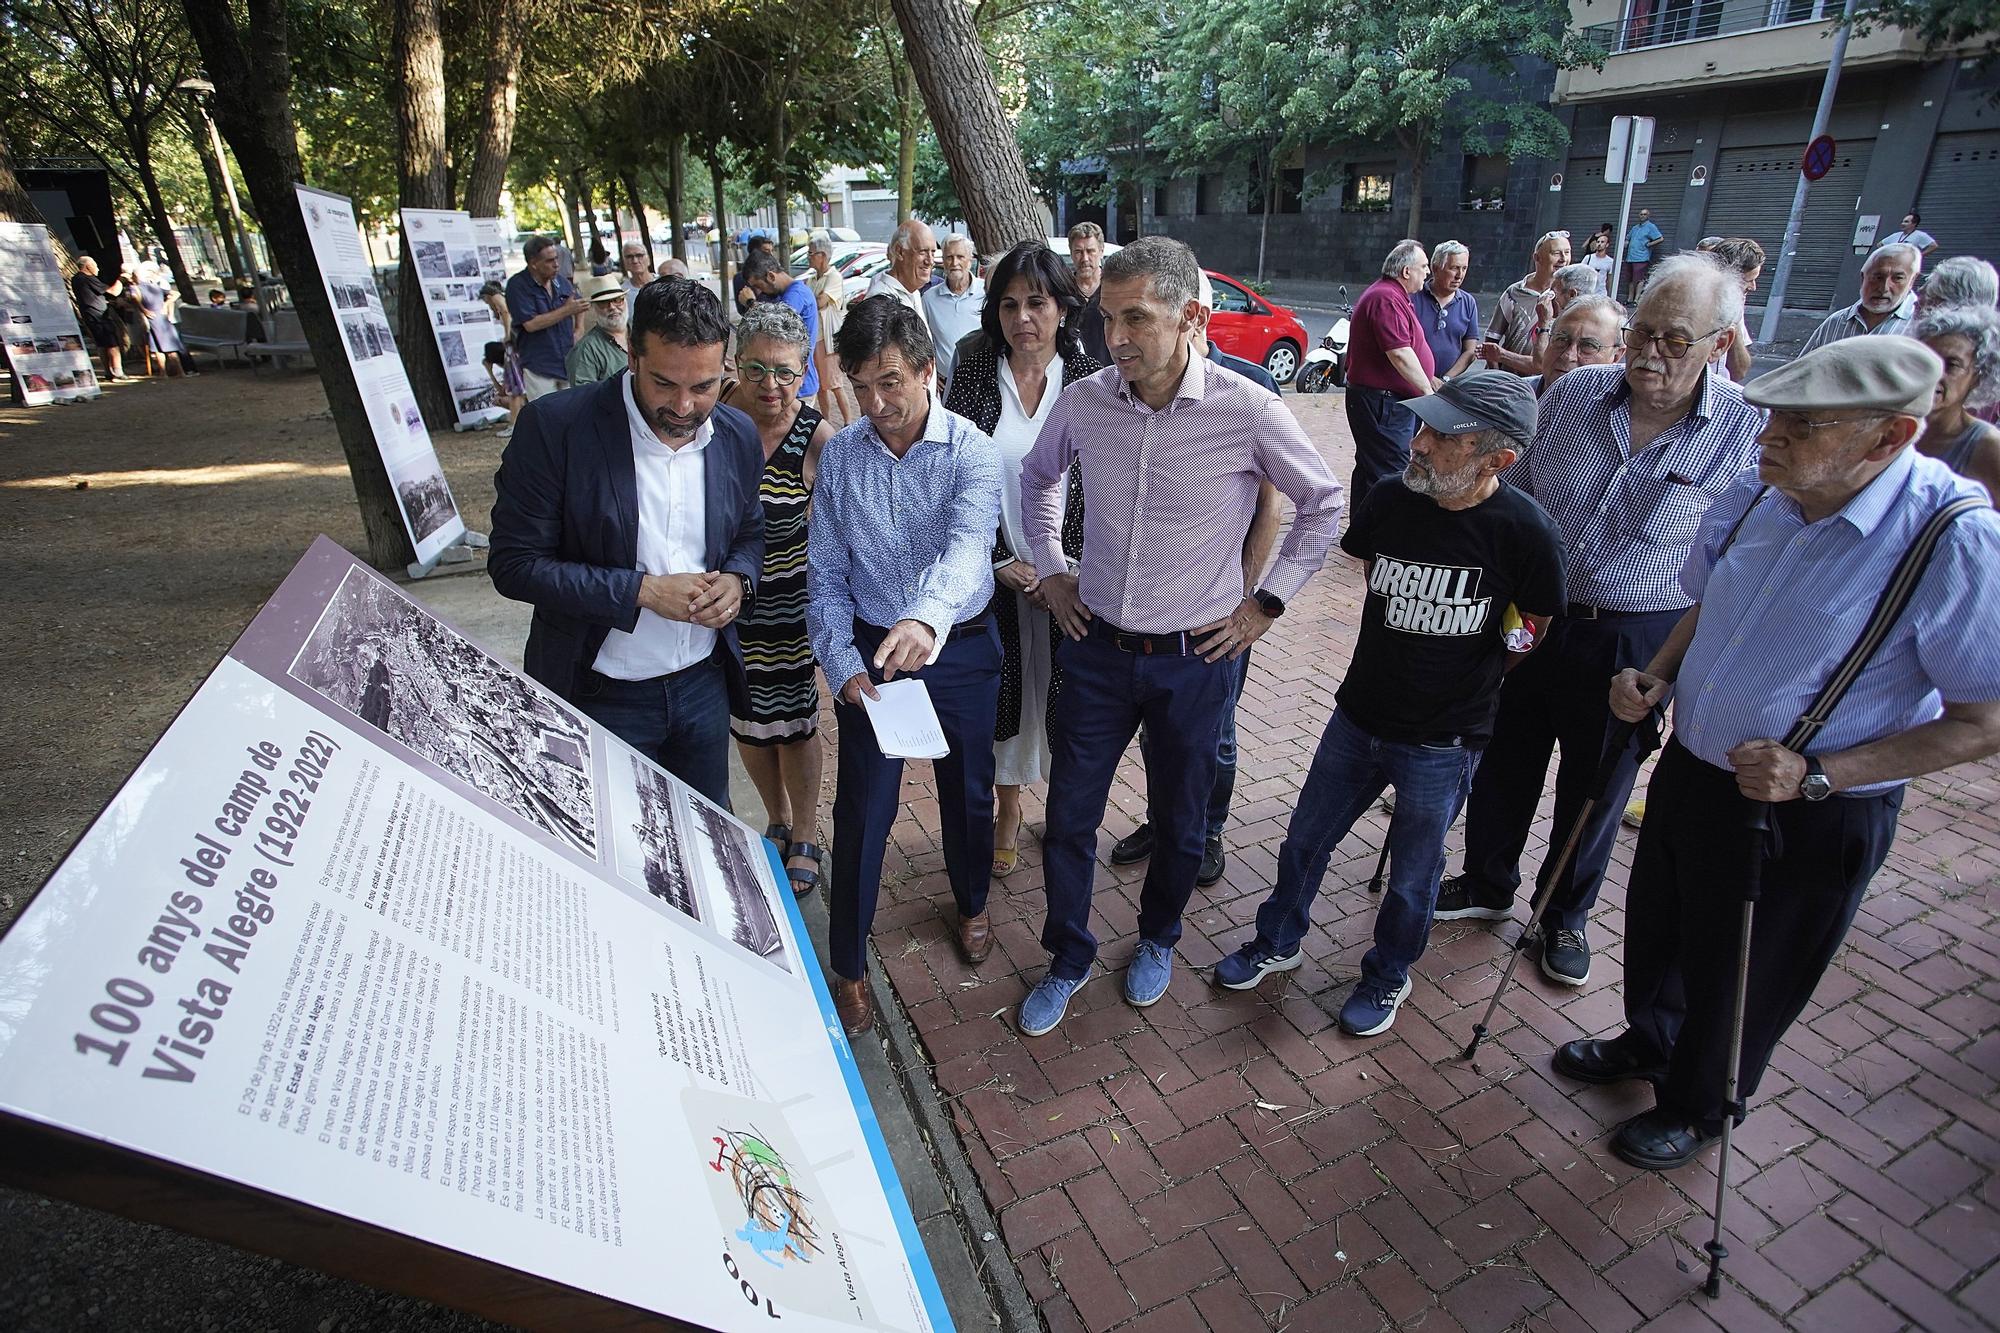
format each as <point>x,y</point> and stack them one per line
<point>1559,696</point>
<point>1685,903</point>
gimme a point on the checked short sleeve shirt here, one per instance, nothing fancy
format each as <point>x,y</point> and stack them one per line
<point>1629,520</point>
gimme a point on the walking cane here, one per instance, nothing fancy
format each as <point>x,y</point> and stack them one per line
<point>1648,733</point>
<point>1732,1109</point>
<point>1381,865</point>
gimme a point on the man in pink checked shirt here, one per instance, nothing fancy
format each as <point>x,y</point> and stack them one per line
<point>1173,449</point>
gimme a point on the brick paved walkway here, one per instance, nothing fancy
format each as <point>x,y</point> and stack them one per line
<point>1233,1162</point>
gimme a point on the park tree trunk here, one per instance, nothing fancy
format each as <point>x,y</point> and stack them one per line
<point>572,228</point>
<point>1417,147</point>
<point>676,194</point>
<point>722,264</point>
<point>235,246</point>
<point>977,138</point>
<point>630,177</point>
<point>588,207</point>
<point>421,182</point>
<point>906,141</point>
<point>140,138</point>
<point>499,105</point>
<point>252,70</point>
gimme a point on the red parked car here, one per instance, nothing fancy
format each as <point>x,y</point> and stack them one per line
<point>1247,325</point>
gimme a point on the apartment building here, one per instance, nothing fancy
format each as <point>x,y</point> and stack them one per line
<point>1732,86</point>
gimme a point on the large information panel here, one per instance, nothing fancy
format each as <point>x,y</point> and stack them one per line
<point>430,514</point>
<point>45,347</point>
<point>451,268</point>
<point>381,927</point>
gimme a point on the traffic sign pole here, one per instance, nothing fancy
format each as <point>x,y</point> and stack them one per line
<point>1631,150</point>
<point>1774,303</point>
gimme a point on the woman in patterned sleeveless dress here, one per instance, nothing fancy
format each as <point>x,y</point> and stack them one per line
<point>779,740</point>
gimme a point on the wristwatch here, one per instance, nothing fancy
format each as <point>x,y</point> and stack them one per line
<point>1270,603</point>
<point>1816,785</point>
<point>749,590</point>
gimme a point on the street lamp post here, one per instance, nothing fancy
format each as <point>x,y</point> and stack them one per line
<point>244,261</point>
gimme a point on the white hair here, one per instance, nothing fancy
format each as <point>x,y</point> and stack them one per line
<point>1580,279</point>
<point>958,239</point>
<point>1445,250</point>
<point>903,240</point>
<point>1405,256</point>
<point>1714,279</point>
<point>820,244</point>
<point>1897,250</point>
<point>1962,280</point>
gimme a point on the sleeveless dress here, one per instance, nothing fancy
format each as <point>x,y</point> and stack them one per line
<point>777,658</point>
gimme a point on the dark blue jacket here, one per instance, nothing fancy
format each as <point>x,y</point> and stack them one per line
<point>566,526</point>
<point>1249,370</point>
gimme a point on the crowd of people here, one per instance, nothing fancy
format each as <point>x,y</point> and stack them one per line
<point>134,314</point>
<point>1061,508</point>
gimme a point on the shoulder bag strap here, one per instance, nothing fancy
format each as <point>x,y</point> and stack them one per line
<point>1888,609</point>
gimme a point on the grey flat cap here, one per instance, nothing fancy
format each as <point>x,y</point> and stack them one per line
<point>1871,373</point>
<point>1480,400</point>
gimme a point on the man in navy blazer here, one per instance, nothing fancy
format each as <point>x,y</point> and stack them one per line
<point>628,514</point>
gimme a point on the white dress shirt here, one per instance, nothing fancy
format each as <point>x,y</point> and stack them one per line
<point>673,538</point>
<point>886,283</point>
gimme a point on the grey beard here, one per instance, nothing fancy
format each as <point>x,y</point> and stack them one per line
<point>1419,478</point>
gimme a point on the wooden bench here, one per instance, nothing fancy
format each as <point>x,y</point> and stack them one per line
<point>284,339</point>
<point>217,329</point>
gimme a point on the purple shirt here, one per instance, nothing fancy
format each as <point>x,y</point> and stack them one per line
<point>1168,496</point>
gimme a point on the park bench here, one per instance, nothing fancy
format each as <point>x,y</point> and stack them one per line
<point>217,329</point>
<point>284,339</point>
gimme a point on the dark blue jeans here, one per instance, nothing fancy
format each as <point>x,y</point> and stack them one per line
<point>1382,428</point>
<point>1225,759</point>
<point>1559,695</point>
<point>1106,694</point>
<point>964,685</point>
<point>1349,770</point>
<point>680,722</point>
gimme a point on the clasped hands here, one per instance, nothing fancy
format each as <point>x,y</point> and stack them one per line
<point>710,600</point>
<point>1765,769</point>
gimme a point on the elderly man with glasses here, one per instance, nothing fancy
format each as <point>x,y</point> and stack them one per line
<point>1626,460</point>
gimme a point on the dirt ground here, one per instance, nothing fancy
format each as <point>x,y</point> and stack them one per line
<point>138,535</point>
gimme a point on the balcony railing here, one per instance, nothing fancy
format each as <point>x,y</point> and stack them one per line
<point>1663,22</point>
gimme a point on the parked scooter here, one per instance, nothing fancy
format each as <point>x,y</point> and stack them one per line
<point>1325,367</point>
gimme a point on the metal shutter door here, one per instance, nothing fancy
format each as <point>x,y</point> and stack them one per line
<point>1960,200</point>
<point>1587,201</point>
<point>1753,197</point>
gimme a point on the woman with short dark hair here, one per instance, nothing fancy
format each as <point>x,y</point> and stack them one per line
<point>1005,382</point>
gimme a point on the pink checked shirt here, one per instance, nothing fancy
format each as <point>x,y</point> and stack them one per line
<point>1168,496</point>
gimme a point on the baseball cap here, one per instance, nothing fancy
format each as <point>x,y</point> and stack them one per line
<point>1480,400</point>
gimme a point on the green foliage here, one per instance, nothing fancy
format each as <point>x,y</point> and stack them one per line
<point>1091,74</point>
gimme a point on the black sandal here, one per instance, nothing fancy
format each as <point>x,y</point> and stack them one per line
<point>778,835</point>
<point>804,881</point>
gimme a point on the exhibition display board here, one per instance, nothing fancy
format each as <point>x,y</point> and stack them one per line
<point>430,514</point>
<point>382,932</point>
<point>45,346</point>
<point>492,238</point>
<point>452,266</point>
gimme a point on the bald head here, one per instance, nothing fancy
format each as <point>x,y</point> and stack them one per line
<point>912,253</point>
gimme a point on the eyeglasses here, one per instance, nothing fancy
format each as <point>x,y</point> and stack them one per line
<point>757,372</point>
<point>1790,426</point>
<point>1672,345</point>
<point>1588,346</point>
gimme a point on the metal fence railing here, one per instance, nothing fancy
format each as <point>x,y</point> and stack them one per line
<point>1661,22</point>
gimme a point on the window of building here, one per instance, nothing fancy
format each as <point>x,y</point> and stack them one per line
<point>1207,193</point>
<point>1159,201</point>
<point>1368,187</point>
<point>1291,189</point>
<point>1485,182</point>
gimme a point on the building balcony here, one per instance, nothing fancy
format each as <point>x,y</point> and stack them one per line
<point>1675,45</point>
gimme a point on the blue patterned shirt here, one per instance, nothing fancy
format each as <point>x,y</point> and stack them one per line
<point>1789,598</point>
<point>907,538</point>
<point>1628,520</point>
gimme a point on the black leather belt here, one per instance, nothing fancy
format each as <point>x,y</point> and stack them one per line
<point>1585,611</point>
<point>1178,644</point>
<point>963,629</point>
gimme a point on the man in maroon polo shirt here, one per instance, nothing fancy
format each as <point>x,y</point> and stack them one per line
<point>1388,361</point>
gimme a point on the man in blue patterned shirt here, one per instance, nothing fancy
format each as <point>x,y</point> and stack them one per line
<point>1785,574</point>
<point>1626,460</point>
<point>899,573</point>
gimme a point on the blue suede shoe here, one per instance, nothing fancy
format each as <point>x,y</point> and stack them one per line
<point>1372,1007</point>
<point>1253,962</point>
<point>1047,1003</point>
<point>1146,978</point>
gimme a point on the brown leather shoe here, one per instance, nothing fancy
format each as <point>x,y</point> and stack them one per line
<point>975,938</point>
<point>855,1005</point>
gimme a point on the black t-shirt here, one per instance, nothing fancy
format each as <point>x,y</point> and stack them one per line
<point>1429,659</point>
<point>90,294</point>
<point>1090,327</point>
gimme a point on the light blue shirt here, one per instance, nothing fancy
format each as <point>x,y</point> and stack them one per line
<point>951,316</point>
<point>907,538</point>
<point>1789,598</point>
<point>1639,242</point>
